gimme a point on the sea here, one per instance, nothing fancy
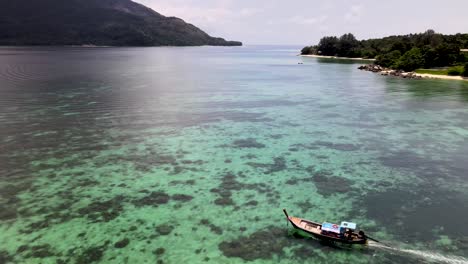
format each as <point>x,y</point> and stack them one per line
<point>190,154</point>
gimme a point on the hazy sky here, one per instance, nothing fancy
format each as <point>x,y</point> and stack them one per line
<point>306,21</point>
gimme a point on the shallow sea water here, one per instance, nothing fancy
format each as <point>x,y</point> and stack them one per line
<point>189,155</point>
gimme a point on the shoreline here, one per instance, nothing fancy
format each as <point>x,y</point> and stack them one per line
<point>336,58</point>
<point>408,75</point>
<point>442,77</point>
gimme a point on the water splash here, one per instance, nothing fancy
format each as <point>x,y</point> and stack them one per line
<point>423,254</point>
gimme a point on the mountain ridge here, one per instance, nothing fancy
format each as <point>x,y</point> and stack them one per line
<point>96,22</point>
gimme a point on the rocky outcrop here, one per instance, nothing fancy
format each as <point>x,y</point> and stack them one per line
<point>389,72</point>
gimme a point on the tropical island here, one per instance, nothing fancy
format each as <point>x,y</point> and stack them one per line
<point>95,23</point>
<point>425,53</point>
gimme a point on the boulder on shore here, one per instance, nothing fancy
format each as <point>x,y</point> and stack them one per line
<point>388,72</point>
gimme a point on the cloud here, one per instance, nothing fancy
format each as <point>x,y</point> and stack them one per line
<point>354,14</point>
<point>284,22</point>
<point>301,20</point>
<point>191,12</point>
<point>247,12</point>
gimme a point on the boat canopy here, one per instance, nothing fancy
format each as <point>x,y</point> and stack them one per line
<point>329,227</point>
<point>348,225</point>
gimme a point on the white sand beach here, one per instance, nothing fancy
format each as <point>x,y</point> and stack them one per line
<point>444,77</point>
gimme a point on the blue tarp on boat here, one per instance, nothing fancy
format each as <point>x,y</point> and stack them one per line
<point>349,225</point>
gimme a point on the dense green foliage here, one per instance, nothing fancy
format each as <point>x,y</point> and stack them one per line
<point>388,59</point>
<point>454,71</point>
<point>408,52</point>
<point>432,71</point>
<point>465,71</point>
<point>411,60</point>
<point>95,22</point>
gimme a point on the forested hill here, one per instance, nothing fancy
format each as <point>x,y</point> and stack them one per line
<point>95,22</point>
<point>407,52</point>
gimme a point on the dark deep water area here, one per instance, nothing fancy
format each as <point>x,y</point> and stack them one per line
<point>189,155</point>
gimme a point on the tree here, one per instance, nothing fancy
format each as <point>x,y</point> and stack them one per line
<point>347,46</point>
<point>465,71</point>
<point>429,32</point>
<point>437,50</point>
<point>328,46</point>
<point>305,50</point>
<point>411,60</point>
<point>430,56</point>
<point>447,54</point>
<point>388,59</point>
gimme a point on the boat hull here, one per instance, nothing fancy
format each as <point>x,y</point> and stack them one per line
<point>328,238</point>
<point>315,230</point>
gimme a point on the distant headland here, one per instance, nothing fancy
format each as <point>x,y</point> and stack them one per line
<point>428,54</point>
<point>95,23</point>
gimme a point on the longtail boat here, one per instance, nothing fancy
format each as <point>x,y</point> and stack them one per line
<point>344,233</point>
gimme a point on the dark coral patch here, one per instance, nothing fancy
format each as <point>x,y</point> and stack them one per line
<point>146,162</point>
<point>249,156</point>
<point>103,211</point>
<point>229,184</point>
<point>9,193</point>
<point>21,249</point>
<point>178,169</point>
<point>164,229</point>
<point>187,182</point>
<point>87,182</point>
<point>224,201</point>
<point>7,212</point>
<point>293,181</point>
<point>159,251</point>
<point>263,244</point>
<point>297,147</point>
<point>279,164</point>
<point>251,203</point>
<point>247,143</point>
<point>59,214</point>
<point>194,162</point>
<point>41,251</point>
<point>182,197</point>
<point>153,199</point>
<point>276,136</point>
<point>328,185</point>
<point>122,243</point>
<point>91,255</point>
<point>11,190</point>
<point>5,257</point>
<point>305,206</point>
<point>337,146</point>
<point>215,229</point>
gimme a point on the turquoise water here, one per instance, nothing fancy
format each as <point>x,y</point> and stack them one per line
<point>189,155</point>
